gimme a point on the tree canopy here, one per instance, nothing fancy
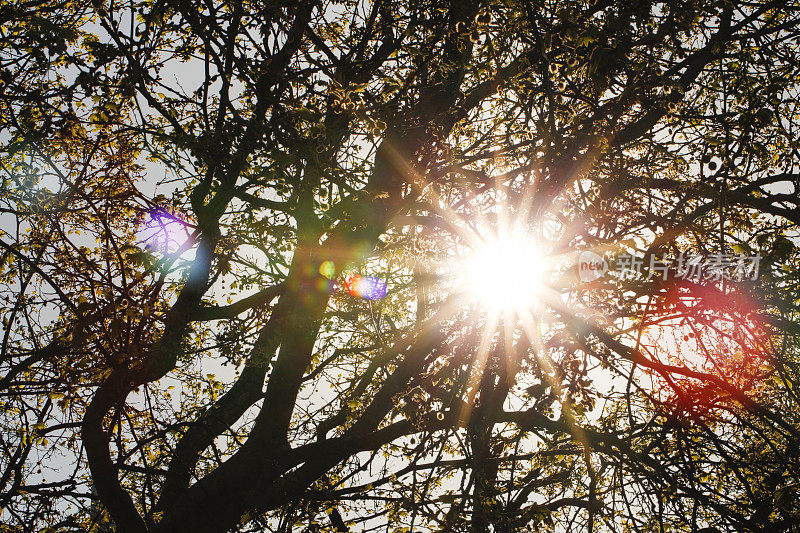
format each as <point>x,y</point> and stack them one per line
<point>244,281</point>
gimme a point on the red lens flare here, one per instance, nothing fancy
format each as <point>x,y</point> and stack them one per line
<point>705,330</point>
<point>367,287</point>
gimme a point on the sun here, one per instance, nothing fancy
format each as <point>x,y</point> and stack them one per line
<point>507,273</point>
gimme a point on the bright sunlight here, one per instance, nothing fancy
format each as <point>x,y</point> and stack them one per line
<point>507,273</point>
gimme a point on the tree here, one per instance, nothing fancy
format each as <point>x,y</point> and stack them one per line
<point>191,190</point>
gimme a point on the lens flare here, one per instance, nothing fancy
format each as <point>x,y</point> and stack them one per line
<point>164,231</point>
<point>367,287</point>
<point>709,331</point>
